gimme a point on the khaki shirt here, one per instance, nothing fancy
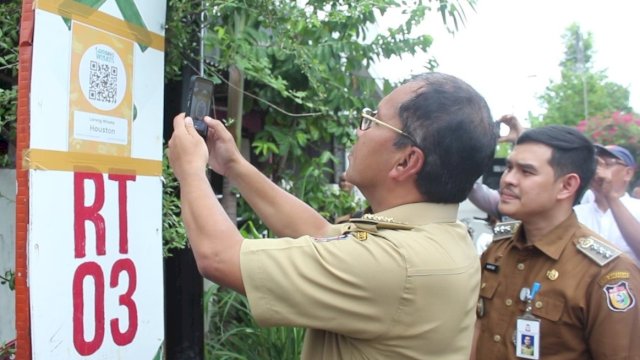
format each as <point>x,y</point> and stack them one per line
<point>400,284</point>
<point>587,306</point>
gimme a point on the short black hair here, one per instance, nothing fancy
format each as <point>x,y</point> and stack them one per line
<point>571,152</point>
<point>453,126</point>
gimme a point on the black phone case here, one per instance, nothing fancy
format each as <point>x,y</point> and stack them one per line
<point>199,103</point>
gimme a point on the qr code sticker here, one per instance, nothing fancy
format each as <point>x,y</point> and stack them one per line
<point>103,81</point>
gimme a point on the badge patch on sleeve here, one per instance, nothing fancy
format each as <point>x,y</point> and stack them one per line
<point>619,298</point>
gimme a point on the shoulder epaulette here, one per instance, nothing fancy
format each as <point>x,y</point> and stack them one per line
<point>380,222</point>
<point>505,230</point>
<point>597,250</point>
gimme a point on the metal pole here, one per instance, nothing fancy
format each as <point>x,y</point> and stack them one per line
<point>582,69</point>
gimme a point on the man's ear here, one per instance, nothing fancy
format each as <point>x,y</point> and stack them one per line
<point>569,185</point>
<point>409,164</point>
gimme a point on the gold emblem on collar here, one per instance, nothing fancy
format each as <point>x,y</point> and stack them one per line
<point>552,274</point>
<point>586,242</point>
<point>361,235</point>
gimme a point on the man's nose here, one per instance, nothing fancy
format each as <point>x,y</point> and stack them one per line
<point>507,178</point>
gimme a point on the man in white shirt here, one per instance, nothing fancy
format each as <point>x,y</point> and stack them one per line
<point>614,214</point>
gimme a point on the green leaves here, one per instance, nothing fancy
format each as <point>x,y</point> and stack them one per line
<point>264,148</point>
<point>9,24</point>
<point>174,235</point>
<point>234,334</point>
<point>8,106</point>
<point>582,92</point>
<point>9,279</point>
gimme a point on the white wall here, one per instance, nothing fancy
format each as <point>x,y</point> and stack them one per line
<point>7,252</point>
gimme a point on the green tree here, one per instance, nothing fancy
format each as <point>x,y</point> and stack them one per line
<point>582,91</point>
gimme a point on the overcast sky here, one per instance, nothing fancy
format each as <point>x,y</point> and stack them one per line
<point>510,49</point>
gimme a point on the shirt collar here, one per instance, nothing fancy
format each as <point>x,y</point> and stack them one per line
<point>554,242</point>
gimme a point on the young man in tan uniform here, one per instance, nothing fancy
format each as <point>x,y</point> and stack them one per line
<point>586,305</point>
<point>398,284</point>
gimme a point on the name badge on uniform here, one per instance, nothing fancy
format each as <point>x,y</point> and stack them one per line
<point>528,338</point>
<point>492,267</point>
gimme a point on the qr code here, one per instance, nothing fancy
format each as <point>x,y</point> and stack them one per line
<point>103,81</point>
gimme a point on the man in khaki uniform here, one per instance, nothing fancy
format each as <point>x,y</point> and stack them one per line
<point>400,283</point>
<point>586,306</point>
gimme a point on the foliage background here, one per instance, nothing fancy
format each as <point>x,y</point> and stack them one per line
<point>618,128</point>
<point>582,91</point>
<point>606,116</point>
<point>9,23</point>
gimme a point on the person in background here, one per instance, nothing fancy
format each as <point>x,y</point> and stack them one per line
<point>614,214</point>
<point>575,292</point>
<point>482,196</point>
<point>399,283</point>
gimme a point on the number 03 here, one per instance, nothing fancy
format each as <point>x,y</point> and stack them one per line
<point>93,270</point>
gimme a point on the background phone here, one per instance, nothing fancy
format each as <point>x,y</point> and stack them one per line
<point>199,103</point>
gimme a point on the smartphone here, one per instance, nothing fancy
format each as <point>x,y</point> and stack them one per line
<point>199,103</point>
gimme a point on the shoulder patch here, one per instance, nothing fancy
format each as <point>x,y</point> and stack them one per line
<point>597,250</point>
<point>619,297</point>
<point>505,230</point>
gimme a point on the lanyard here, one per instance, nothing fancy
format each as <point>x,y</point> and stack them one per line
<point>527,333</point>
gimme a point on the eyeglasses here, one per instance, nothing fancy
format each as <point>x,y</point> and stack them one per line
<point>368,118</point>
<point>610,162</point>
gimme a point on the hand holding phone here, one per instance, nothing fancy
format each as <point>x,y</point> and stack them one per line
<point>199,103</point>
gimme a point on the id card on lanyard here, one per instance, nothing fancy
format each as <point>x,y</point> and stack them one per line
<point>527,335</point>
<point>528,338</point>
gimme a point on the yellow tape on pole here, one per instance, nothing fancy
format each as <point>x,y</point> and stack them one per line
<point>38,159</point>
<point>88,15</point>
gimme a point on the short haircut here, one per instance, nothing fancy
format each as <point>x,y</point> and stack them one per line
<point>571,152</point>
<point>453,126</point>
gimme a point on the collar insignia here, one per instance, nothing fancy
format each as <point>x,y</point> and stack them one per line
<point>505,230</point>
